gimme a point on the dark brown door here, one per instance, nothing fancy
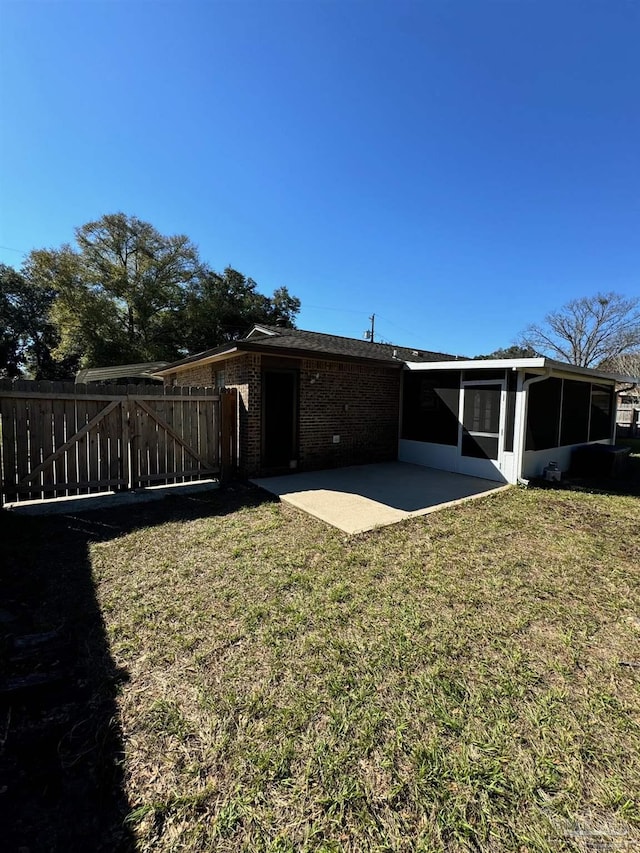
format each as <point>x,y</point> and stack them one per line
<point>279,419</point>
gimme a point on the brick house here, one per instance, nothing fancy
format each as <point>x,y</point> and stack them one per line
<point>308,401</point>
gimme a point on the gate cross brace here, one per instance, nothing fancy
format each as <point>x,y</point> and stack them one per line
<point>164,425</point>
<point>74,438</point>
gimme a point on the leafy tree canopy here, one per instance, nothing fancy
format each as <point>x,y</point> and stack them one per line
<point>27,336</point>
<point>11,324</point>
<point>119,292</point>
<point>223,306</point>
<point>514,351</point>
<point>124,293</point>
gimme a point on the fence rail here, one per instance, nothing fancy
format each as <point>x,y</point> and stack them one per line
<point>61,439</point>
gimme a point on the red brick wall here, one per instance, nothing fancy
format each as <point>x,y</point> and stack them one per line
<point>358,402</point>
<point>242,373</point>
<point>202,375</point>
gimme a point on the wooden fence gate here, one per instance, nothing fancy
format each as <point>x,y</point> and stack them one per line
<point>61,439</point>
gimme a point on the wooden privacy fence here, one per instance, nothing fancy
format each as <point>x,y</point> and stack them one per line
<point>628,421</point>
<point>60,439</point>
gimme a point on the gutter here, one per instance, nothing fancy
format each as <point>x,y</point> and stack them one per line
<point>538,363</point>
<point>527,383</point>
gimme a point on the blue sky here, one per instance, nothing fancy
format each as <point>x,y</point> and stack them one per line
<point>459,168</point>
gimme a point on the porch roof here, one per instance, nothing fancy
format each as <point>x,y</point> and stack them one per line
<point>540,363</point>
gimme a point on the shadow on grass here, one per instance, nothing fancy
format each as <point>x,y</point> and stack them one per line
<point>61,745</point>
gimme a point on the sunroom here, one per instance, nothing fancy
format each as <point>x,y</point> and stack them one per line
<point>503,419</point>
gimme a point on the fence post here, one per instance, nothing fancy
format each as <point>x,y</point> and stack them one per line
<point>7,447</point>
<point>125,446</point>
<point>228,432</point>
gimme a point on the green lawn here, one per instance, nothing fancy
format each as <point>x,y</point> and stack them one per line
<point>469,680</point>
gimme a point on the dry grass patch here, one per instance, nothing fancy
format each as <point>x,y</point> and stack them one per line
<point>451,683</point>
<point>455,682</point>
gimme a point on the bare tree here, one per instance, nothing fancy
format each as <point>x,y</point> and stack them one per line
<point>627,364</point>
<point>589,330</point>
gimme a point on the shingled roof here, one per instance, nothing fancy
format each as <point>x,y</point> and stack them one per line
<point>318,342</point>
<point>265,338</point>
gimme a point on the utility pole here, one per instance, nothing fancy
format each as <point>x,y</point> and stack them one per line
<point>369,333</point>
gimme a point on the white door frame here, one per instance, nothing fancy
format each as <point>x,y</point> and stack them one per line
<point>490,469</point>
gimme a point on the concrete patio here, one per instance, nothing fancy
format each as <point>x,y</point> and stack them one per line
<point>363,497</point>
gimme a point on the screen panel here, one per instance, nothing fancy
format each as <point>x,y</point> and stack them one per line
<point>543,414</point>
<point>576,399</point>
<point>479,446</point>
<point>482,408</point>
<point>430,404</point>
<point>481,421</point>
<point>601,412</point>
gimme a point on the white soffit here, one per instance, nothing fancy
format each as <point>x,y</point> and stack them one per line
<point>556,367</point>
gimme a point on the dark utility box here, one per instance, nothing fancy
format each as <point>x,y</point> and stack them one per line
<point>599,460</point>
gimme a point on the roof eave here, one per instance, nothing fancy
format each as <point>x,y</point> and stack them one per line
<point>262,330</point>
<point>209,357</point>
<point>299,352</point>
<point>539,363</point>
<point>206,357</point>
<point>479,364</point>
<point>559,367</point>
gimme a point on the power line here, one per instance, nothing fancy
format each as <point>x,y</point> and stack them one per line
<point>359,313</point>
<point>401,328</point>
<point>326,308</point>
<point>11,249</point>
